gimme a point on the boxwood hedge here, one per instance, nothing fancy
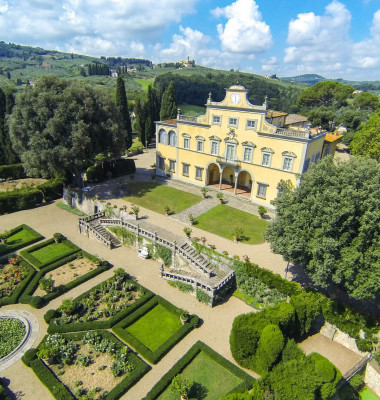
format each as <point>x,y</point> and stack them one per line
<point>61,392</point>
<point>13,298</point>
<point>11,171</point>
<point>8,247</point>
<point>27,254</point>
<point>93,325</point>
<point>154,356</point>
<point>28,297</point>
<point>164,382</point>
<point>19,199</point>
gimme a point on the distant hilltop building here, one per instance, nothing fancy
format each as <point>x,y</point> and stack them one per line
<point>240,148</point>
<point>187,63</point>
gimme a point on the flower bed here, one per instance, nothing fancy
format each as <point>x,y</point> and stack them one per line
<point>212,374</point>
<point>102,306</point>
<point>15,274</point>
<point>19,237</point>
<point>155,328</point>
<point>45,253</point>
<point>12,332</point>
<point>67,273</point>
<point>92,364</point>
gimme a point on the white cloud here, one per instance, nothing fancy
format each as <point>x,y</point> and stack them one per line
<point>89,26</point>
<point>245,31</point>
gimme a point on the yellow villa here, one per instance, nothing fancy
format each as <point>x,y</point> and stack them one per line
<point>234,148</point>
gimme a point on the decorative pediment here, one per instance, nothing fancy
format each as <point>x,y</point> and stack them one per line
<point>200,138</point>
<point>213,137</point>
<point>289,154</point>
<point>248,144</point>
<point>231,140</point>
<point>186,135</point>
<point>267,150</point>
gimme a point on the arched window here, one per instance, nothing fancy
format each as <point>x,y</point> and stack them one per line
<point>162,136</point>
<point>172,138</point>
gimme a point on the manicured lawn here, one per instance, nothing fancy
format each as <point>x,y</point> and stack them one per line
<point>366,394</point>
<point>155,197</point>
<point>222,219</point>
<point>209,377</point>
<point>21,237</point>
<point>72,210</point>
<point>155,327</point>
<point>145,83</point>
<point>191,110</point>
<point>51,252</point>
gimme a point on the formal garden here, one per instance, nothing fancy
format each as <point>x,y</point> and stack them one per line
<point>12,332</point>
<point>157,197</point>
<point>17,238</point>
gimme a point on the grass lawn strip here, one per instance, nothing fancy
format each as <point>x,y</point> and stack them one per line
<point>72,210</point>
<point>88,363</point>
<point>13,278</point>
<point>159,321</point>
<point>155,328</point>
<point>367,394</point>
<point>212,374</point>
<point>155,197</point>
<point>48,252</point>
<point>21,236</point>
<point>12,331</point>
<point>222,219</point>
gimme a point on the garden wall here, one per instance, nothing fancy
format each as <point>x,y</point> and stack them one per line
<point>372,376</point>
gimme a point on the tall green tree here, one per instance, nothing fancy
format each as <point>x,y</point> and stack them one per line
<point>140,121</point>
<point>58,126</point>
<point>366,141</point>
<point>122,106</point>
<point>330,225</point>
<point>7,154</point>
<point>168,103</point>
<point>152,112</point>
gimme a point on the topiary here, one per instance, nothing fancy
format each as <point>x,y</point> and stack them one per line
<point>37,302</point>
<point>49,315</point>
<point>29,356</point>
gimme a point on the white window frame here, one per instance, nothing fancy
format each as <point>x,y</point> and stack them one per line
<point>186,140</point>
<point>216,120</point>
<point>216,144</point>
<point>172,138</point>
<point>161,163</point>
<point>250,158</point>
<point>200,146</point>
<point>185,169</point>
<point>171,165</point>
<point>262,190</point>
<point>233,146</point>
<point>265,151</point>
<point>198,173</point>
<point>162,136</point>
<point>254,123</point>
<point>232,124</point>
<point>287,163</point>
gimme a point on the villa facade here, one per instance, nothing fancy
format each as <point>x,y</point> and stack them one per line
<point>234,148</point>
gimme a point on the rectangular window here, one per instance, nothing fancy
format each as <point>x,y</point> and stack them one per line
<point>200,146</point>
<point>251,123</point>
<point>216,119</point>
<point>185,169</point>
<point>266,160</point>
<point>161,163</point>
<point>232,121</point>
<point>171,165</point>
<point>247,155</point>
<point>230,152</point>
<point>186,143</point>
<point>261,190</point>
<point>198,173</point>
<point>214,148</point>
<point>287,164</point>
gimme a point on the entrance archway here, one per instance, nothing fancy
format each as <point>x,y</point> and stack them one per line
<point>213,175</point>
<point>228,179</point>
<point>244,184</point>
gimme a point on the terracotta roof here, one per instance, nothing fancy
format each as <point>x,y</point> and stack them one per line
<point>333,136</point>
<point>274,114</point>
<point>170,122</point>
<point>294,119</point>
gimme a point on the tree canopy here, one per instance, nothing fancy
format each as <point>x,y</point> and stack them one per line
<point>366,141</point>
<point>58,126</point>
<point>168,103</point>
<point>330,224</point>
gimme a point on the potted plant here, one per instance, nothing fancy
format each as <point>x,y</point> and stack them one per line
<point>182,386</point>
<point>192,219</point>
<point>184,316</point>
<point>220,196</point>
<point>245,258</point>
<point>187,231</point>
<point>262,211</point>
<point>203,240</point>
<point>204,191</point>
<point>58,237</point>
<point>136,210</point>
<point>4,236</point>
<point>238,233</point>
<point>167,210</point>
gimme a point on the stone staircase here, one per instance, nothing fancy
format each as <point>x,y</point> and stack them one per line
<point>196,259</point>
<point>105,233</point>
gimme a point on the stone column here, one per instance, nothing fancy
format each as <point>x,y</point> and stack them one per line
<point>236,182</point>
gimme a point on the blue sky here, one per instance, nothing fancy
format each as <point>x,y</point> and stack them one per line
<point>337,39</point>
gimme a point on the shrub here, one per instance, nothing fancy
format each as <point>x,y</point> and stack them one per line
<point>36,302</point>
<point>49,315</point>
<point>165,254</point>
<point>202,296</point>
<point>357,381</point>
<point>47,284</point>
<point>183,287</point>
<point>307,307</point>
<point>364,345</point>
<point>11,171</point>
<point>19,199</point>
<point>29,356</point>
<point>52,189</point>
<point>262,210</point>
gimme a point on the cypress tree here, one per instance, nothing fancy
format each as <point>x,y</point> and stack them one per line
<point>122,106</point>
<point>140,120</point>
<point>152,112</point>
<point>7,155</point>
<point>169,104</point>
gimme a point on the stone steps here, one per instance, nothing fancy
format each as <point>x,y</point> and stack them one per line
<point>105,233</point>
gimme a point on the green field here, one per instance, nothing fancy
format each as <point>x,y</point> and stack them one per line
<point>155,327</point>
<point>145,83</point>
<point>155,197</point>
<point>367,394</point>
<point>222,219</point>
<point>211,380</point>
<point>19,239</point>
<point>51,252</point>
<point>192,111</point>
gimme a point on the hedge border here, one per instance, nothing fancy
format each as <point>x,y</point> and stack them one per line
<point>11,248</point>
<point>39,265</point>
<point>156,355</point>
<point>179,366</point>
<point>95,325</point>
<point>56,387</point>
<point>14,297</point>
<point>27,297</point>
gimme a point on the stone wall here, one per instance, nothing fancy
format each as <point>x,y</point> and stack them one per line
<point>372,376</point>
